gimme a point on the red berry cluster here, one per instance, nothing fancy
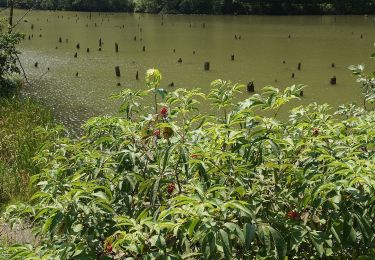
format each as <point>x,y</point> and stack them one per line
<point>164,112</point>
<point>171,187</point>
<point>108,248</point>
<point>157,133</point>
<point>293,215</point>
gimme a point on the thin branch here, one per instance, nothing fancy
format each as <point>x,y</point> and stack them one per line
<point>23,70</point>
<point>19,20</point>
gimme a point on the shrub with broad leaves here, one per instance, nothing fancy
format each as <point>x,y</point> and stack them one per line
<point>180,184</point>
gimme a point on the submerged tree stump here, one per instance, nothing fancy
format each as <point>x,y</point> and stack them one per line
<point>116,47</point>
<point>251,86</point>
<point>76,55</point>
<point>207,66</point>
<point>299,66</point>
<point>137,76</point>
<point>232,57</point>
<point>333,80</point>
<point>117,71</point>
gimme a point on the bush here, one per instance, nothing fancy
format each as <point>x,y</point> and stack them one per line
<point>179,184</point>
<point>9,83</point>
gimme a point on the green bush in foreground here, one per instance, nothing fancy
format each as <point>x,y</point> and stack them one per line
<point>9,83</point>
<point>179,184</point>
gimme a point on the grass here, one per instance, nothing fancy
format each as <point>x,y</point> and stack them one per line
<point>19,142</point>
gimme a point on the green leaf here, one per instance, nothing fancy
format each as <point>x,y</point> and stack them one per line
<point>226,244</point>
<point>192,226</point>
<point>51,223</point>
<point>317,241</point>
<point>279,243</point>
<point>249,233</point>
<point>155,191</point>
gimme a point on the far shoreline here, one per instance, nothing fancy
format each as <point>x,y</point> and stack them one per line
<point>199,14</point>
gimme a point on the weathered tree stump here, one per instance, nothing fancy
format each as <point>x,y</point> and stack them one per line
<point>232,57</point>
<point>137,76</point>
<point>88,50</point>
<point>171,84</point>
<point>333,80</point>
<point>299,66</point>
<point>116,47</point>
<point>60,40</point>
<point>78,46</point>
<point>207,66</point>
<point>76,55</point>
<point>293,75</point>
<point>301,93</point>
<point>251,86</point>
<point>144,48</point>
<point>179,60</point>
<point>100,42</point>
<point>333,65</point>
<point>36,64</point>
<point>117,70</point>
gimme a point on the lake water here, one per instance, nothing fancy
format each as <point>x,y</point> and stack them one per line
<point>261,47</point>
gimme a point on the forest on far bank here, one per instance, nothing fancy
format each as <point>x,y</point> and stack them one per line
<point>275,7</point>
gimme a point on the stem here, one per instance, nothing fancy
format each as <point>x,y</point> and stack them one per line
<point>156,101</point>
<point>176,174</point>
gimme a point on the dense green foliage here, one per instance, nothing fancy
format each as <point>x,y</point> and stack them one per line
<point>178,184</point>
<point>9,84</point>
<point>18,120</point>
<point>209,6</point>
<point>19,143</point>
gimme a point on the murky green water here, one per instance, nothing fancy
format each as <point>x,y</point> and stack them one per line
<point>315,41</point>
